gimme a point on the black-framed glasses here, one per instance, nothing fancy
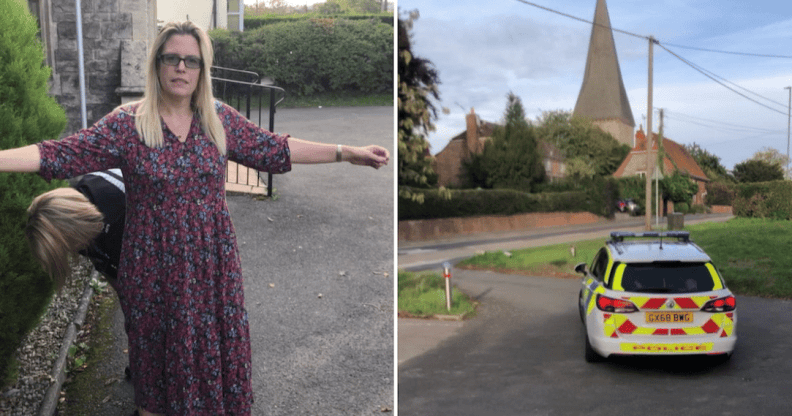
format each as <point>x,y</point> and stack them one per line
<point>190,61</point>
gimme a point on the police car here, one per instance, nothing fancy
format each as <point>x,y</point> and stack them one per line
<point>655,293</point>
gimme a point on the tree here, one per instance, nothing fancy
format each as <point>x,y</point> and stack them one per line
<point>757,171</point>
<point>773,157</point>
<point>511,159</point>
<point>678,188</point>
<point>349,6</point>
<point>585,146</point>
<point>709,163</point>
<point>417,82</point>
<point>27,115</point>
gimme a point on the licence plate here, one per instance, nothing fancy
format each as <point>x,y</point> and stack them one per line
<point>669,317</point>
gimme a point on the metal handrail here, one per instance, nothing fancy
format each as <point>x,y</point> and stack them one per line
<point>250,87</point>
<point>254,76</point>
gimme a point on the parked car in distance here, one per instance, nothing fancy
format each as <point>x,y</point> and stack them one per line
<point>628,206</point>
<point>655,294</point>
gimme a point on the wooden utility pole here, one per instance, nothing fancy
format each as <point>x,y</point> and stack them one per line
<point>789,117</point>
<point>649,161</point>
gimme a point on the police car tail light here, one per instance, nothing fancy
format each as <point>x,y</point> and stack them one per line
<point>607,304</point>
<point>720,305</point>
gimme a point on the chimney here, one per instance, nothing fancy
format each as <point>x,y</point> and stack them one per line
<point>472,132</point>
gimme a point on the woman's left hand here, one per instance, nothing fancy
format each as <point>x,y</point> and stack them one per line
<point>371,155</point>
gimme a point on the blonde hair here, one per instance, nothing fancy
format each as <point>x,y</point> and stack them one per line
<point>147,117</point>
<point>60,223</point>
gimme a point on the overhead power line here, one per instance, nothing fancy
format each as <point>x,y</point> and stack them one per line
<point>759,55</point>
<point>703,71</point>
<point>719,125</point>
<point>706,74</point>
<point>647,37</point>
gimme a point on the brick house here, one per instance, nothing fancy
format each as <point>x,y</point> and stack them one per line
<point>448,162</point>
<point>676,159</point>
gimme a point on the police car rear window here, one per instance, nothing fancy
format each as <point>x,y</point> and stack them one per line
<point>670,277</point>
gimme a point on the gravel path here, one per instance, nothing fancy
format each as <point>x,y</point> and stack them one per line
<point>39,350</point>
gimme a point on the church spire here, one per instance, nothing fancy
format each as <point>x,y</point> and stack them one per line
<point>602,95</point>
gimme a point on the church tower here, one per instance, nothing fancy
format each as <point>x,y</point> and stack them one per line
<point>602,97</point>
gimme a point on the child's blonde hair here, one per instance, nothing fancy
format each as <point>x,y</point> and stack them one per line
<point>60,223</point>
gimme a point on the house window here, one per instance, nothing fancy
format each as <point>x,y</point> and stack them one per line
<point>236,15</point>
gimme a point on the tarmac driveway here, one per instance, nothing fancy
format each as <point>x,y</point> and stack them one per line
<point>523,355</point>
<point>318,266</point>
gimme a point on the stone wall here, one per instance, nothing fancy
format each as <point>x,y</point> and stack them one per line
<point>108,25</point>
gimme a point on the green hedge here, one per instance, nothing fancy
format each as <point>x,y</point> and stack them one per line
<point>719,193</point>
<point>599,198</point>
<point>307,57</point>
<point>254,22</point>
<point>27,115</point>
<point>763,200</point>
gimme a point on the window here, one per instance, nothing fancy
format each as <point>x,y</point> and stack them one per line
<point>599,264</point>
<point>667,277</point>
<point>236,13</point>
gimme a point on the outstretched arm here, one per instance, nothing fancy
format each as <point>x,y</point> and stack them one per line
<point>21,159</point>
<point>303,151</point>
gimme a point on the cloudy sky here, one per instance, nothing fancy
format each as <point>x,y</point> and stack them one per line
<point>484,49</point>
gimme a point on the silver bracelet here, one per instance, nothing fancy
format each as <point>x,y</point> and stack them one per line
<point>338,153</point>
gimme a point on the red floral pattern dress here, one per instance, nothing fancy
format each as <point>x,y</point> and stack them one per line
<point>180,280</point>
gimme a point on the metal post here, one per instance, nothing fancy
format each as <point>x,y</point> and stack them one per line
<point>447,278</point>
<point>81,64</point>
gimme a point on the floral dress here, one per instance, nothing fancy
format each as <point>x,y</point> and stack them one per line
<point>180,280</point>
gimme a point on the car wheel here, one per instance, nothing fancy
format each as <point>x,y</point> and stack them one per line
<point>591,355</point>
<point>580,307</point>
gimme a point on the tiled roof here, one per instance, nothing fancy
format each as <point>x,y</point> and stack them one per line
<point>676,157</point>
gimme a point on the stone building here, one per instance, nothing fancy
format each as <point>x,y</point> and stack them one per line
<point>602,97</point>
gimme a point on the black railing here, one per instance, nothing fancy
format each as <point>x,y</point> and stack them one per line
<point>243,90</point>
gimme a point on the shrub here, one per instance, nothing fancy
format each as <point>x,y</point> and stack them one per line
<point>27,115</point>
<point>599,198</point>
<point>763,200</point>
<point>682,207</point>
<point>307,57</point>
<point>254,22</point>
<point>719,193</point>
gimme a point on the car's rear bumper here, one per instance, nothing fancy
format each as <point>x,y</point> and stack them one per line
<point>667,345</point>
<point>607,340</point>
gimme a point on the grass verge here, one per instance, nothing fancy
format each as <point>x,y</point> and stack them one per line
<point>753,255</point>
<point>86,386</point>
<point>423,295</point>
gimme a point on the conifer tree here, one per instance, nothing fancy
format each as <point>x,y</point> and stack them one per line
<point>27,115</point>
<point>418,81</point>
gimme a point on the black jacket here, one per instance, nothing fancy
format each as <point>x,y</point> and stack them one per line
<point>107,192</point>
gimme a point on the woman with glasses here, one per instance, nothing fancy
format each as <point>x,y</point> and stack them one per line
<point>179,275</point>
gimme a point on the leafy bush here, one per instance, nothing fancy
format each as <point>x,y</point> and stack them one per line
<point>764,200</point>
<point>682,207</point>
<point>313,56</point>
<point>719,193</point>
<point>599,198</point>
<point>27,115</point>
<point>254,22</point>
